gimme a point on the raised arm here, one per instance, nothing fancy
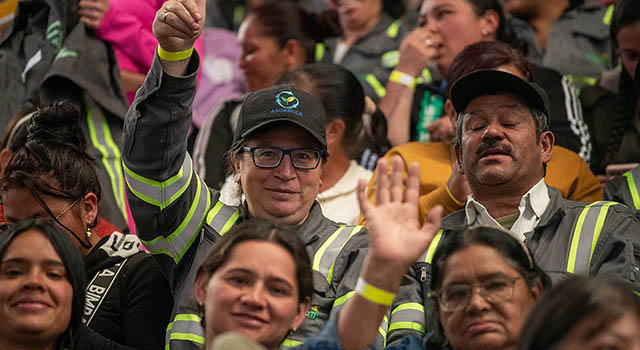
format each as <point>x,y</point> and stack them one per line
<point>396,240</point>
<point>167,199</point>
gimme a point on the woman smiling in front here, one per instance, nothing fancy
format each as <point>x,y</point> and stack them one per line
<point>42,291</point>
<point>256,281</point>
<point>40,274</point>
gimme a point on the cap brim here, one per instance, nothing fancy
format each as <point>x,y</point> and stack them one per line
<point>246,133</point>
<point>489,82</point>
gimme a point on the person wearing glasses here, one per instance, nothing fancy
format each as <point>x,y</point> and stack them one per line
<point>484,280</point>
<point>51,176</point>
<point>278,152</point>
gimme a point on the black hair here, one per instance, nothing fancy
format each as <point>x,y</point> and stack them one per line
<point>340,93</point>
<point>394,8</point>
<point>573,301</point>
<point>71,259</point>
<point>264,231</point>
<point>15,132</point>
<point>284,20</point>
<point>504,33</point>
<point>510,248</point>
<point>53,160</point>
<point>626,12</point>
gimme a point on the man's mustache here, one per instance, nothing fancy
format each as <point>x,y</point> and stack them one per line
<point>493,145</point>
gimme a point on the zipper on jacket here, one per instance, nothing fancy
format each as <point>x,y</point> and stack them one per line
<point>423,274</point>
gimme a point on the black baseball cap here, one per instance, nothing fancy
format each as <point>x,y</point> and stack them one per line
<point>277,104</point>
<point>490,82</point>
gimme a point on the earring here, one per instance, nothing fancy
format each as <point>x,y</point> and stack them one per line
<point>89,233</point>
<point>484,32</point>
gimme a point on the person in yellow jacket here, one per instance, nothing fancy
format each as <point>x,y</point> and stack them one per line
<point>442,184</point>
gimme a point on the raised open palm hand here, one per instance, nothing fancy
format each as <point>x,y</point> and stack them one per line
<point>395,233</point>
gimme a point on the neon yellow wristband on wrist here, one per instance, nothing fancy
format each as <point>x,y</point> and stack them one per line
<point>403,78</point>
<point>374,294</point>
<point>174,56</point>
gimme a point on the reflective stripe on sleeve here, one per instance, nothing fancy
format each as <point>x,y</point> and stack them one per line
<point>632,179</point>
<point>160,193</point>
<point>408,316</point>
<point>185,327</point>
<point>585,237</point>
<point>111,158</point>
<point>393,28</point>
<point>320,48</point>
<point>177,243</point>
<point>222,217</point>
<point>375,84</point>
<point>325,256</point>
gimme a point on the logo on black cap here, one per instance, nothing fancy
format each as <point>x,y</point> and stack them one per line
<point>288,101</point>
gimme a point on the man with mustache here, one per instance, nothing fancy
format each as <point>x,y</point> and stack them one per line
<point>502,146</point>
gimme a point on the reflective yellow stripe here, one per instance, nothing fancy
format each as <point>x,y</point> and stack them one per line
<point>409,306</point>
<point>179,241</point>
<point>606,20</point>
<point>598,229</point>
<point>406,325</point>
<point>390,59</point>
<point>631,181</point>
<point>585,237</point>
<point>378,88</point>
<point>320,252</point>
<point>433,246</point>
<point>291,343</point>
<point>354,230</point>
<point>227,226</point>
<point>153,192</point>
<point>392,30</point>
<point>185,327</point>
<point>320,48</point>
<point>214,211</point>
<point>382,330</point>
<point>343,299</point>
<point>102,141</point>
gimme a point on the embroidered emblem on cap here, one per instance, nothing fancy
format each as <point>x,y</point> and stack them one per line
<point>288,101</point>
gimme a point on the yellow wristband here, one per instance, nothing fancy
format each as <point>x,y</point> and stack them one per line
<point>460,203</point>
<point>174,56</point>
<point>374,294</point>
<point>403,78</point>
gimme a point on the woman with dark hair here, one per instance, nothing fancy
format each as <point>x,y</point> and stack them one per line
<point>40,269</point>
<point>416,98</point>
<point>343,101</point>
<point>259,272</point>
<point>275,38</point>
<point>371,35</point>
<point>610,107</point>
<point>584,314</point>
<point>42,291</point>
<point>51,176</point>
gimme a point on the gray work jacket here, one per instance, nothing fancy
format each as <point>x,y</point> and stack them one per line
<point>561,245</point>
<point>178,218</point>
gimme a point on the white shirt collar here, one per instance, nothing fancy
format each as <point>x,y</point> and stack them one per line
<point>532,206</point>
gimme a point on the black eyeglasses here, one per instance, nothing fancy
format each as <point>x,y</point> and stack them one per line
<point>271,157</point>
<point>457,296</point>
